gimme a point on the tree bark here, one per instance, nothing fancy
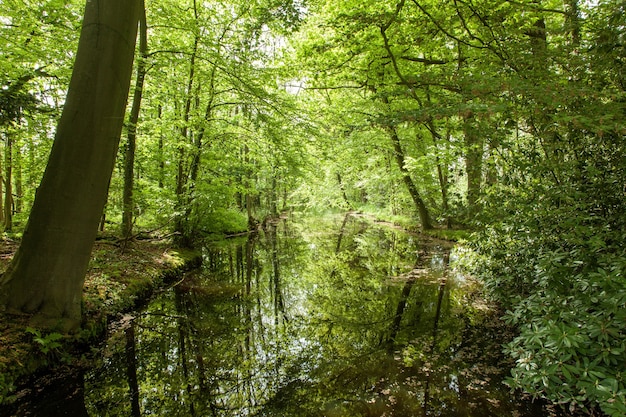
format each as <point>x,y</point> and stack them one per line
<point>131,145</point>
<point>473,164</point>
<point>45,278</point>
<point>19,181</point>
<point>8,184</point>
<point>572,22</point>
<point>160,152</point>
<point>422,210</point>
<point>182,179</point>
<point>342,188</point>
<point>420,205</point>
<point>131,371</point>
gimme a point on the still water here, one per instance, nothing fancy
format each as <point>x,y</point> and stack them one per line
<point>333,317</point>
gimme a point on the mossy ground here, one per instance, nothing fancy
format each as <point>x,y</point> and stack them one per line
<point>121,276</point>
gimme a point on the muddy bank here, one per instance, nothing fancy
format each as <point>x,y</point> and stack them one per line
<point>121,277</point>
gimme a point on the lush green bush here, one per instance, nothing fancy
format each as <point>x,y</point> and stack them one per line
<point>556,260</point>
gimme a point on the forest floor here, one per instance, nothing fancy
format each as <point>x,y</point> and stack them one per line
<point>121,276</point>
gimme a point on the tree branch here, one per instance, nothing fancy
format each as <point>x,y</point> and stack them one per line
<point>424,61</point>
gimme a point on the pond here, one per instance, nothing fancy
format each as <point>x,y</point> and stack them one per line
<point>321,317</point>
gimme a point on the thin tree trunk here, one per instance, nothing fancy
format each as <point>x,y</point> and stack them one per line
<point>408,181</point>
<point>406,176</point>
<point>19,189</point>
<point>30,177</point>
<point>473,164</point>
<point>131,371</point>
<point>342,188</point>
<point>8,186</point>
<point>572,21</point>
<point>45,278</point>
<point>160,152</point>
<point>129,157</point>
<point>252,222</point>
<point>441,174</point>
<point>198,140</point>
<point>181,176</point>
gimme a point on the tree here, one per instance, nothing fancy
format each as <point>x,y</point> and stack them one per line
<point>133,118</point>
<point>45,278</point>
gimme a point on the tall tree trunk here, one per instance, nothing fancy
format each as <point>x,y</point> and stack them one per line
<point>30,176</point>
<point>19,189</point>
<point>441,170</point>
<point>184,238</point>
<point>160,152</point>
<point>572,21</point>
<point>131,370</point>
<point>342,188</point>
<point>131,145</point>
<point>443,186</point>
<point>45,278</point>
<point>473,164</point>
<point>249,181</point>
<point>273,197</point>
<point>194,168</point>
<point>422,210</point>
<point>8,186</point>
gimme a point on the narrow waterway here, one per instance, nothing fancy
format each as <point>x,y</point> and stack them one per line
<point>333,317</point>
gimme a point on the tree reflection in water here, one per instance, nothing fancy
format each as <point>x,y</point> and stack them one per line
<point>300,321</point>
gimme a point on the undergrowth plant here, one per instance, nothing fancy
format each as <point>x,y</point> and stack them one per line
<point>47,344</point>
<point>556,261</point>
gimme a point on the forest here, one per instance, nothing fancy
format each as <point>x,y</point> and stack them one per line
<point>501,121</point>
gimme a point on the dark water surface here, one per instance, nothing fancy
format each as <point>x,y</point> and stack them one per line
<point>333,317</point>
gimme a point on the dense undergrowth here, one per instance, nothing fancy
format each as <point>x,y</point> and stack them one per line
<point>556,261</point>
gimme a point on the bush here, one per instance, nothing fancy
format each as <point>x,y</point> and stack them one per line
<point>556,261</point>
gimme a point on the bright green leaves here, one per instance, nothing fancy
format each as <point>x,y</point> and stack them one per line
<point>570,363</point>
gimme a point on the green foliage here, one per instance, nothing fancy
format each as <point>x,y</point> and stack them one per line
<point>453,235</point>
<point>47,344</point>
<point>223,221</point>
<point>556,260</point>
<point>101,292</point>
<point>6,386</point>
<point>546,107</point>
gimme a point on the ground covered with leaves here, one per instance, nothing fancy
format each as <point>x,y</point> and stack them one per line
<point>121,276</point>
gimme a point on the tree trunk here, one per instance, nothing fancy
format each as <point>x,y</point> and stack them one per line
<point>180,223</point>
<point>422,210</point>
<point>473,164</point>
<point>342,188</point>
<point>572,22</point>
<point>8,186</point>
<point>129,156</point>
<point>19,181</point>
<point>131,370</point>
<point>45,278</point>
<point>160,151</point>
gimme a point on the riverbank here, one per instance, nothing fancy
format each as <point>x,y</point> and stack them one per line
<point>121,276</point>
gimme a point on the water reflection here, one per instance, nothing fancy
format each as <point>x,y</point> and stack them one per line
<point>303,321</point>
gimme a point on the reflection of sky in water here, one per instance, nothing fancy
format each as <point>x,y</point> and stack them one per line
<point>355,322</point>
